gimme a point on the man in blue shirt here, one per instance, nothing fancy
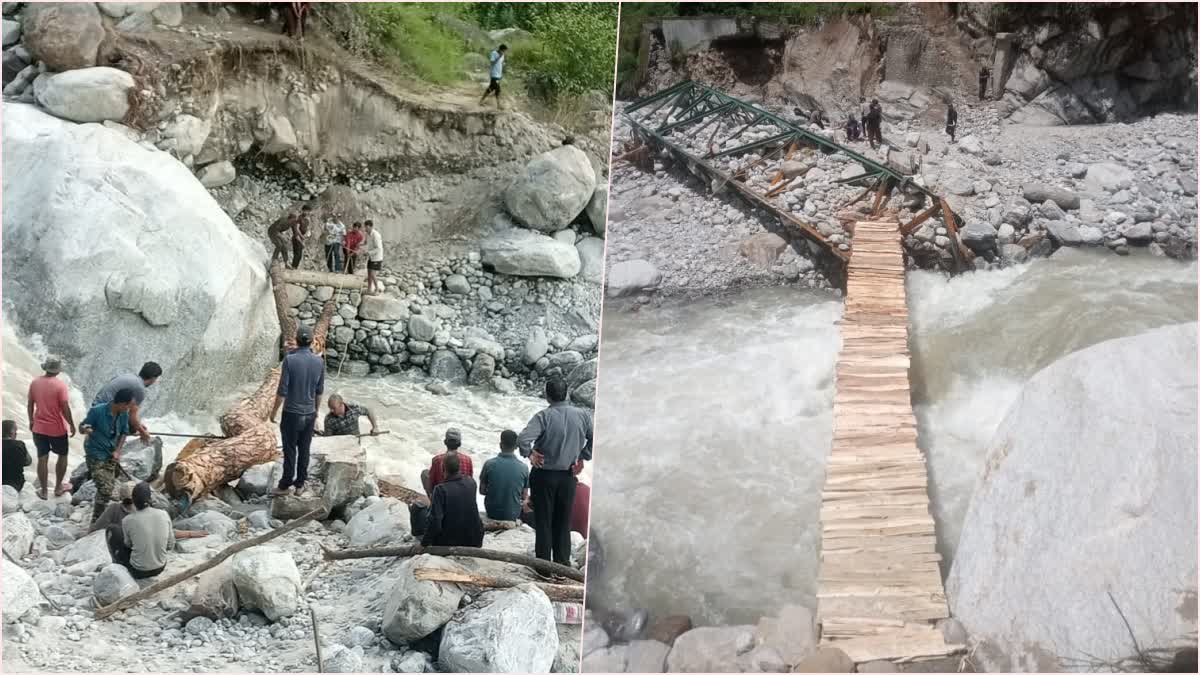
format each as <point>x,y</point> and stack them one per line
<point>105,429</point>
<point>496,58</point>
<point>301,383</point>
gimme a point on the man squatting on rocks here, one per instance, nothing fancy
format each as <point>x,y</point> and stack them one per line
<point>301,383</point>
<point>138,535</point>
<point>50,422</point>
<point>555,439</point>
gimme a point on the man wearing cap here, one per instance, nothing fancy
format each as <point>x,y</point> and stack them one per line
<point>136,383</point>
<point>301,383</point>
<point>436,473</point>
<point>106,426</point>
<point>146,535</point>
<point>50,421</point>
<point>556,439</point>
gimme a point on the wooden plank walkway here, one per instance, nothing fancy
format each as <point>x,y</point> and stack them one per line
<point>880,589</point>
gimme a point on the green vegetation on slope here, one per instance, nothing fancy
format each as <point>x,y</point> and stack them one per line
<point>567,48</point>
<point>634,14</point>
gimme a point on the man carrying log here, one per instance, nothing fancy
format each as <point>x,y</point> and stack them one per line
<point>301,383</point>
<point>105,427</point>
<point>555,439</point>
<point>454,515</point>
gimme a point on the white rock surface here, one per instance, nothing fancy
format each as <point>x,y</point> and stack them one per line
<point>20,592</point>
<point>379,523</point>
<point>530,254</point>
<point>711,649</point>
<point>217,174</point>
<point>85,95</point>
<point>267,579</point>
<point>1075,504</point>
<point>631,277</point>
<point>18,535</point>
<point>92,549</point>
<point>167,274</point>
<point>502,631</point>
<point>555,187</point>
<point>417,608</point>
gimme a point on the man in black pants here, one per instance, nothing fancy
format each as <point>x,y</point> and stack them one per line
<point>951,121</point>
<point>554,440</point>
<point>984,74</point>
<point>454,516</point>
<point>301,383</point>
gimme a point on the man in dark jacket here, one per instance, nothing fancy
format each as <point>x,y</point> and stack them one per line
<point>454,516</point>
<point>875,124</point>
<point>984,75</point>
<point>951,121</point>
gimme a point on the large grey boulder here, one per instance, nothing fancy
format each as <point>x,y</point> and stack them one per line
<point>12,33</point>
<point>792,634</point>
<point>503,631</point>
<point>87,95</point>
<point>216,594</point>
<point>554,189</point>
<point>92,549</point>
<point>1073,505</point>
<point>142,461</point>
<point>217,174</point>
<point>113,583</point>
<point>1036,193</point>
<point>64,35</point>
<point>382,522</point>
<point>212,522</point>
<point>597,208</point>
<point>1063,233</point>
<point>711,649</point>
<point>383,308</point>
<point>529,254</point>
<point>1108,177</point>
<point>168,274</point>
<point>416,608</point>
<point>445,365</point>
<point>979,235</point>
<point>267,579</point>
<point>256,481</point>
<point>630,277</point>
<point>21,592</point>
<point>591,258</point>
<point>18,535</point>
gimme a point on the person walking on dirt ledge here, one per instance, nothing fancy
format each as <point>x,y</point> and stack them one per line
<point>496,58</point>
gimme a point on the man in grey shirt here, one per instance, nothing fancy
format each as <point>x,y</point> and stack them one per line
<point>554,440</point>
<point>146,536</point>
<point>138,383</point>
<point>301,383</point>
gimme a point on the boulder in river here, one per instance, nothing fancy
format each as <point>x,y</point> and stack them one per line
<point>64,35</point>
<point>1075,506</point>
<point>555,187</point>
<point>168,275</point>
<point>417,608</point>
<point>267,579</point>
<point>502,631</point>
<point>87,95</point>
<point>529,254</point>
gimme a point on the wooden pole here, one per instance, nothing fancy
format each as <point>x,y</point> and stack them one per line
<point>560,592</point>
<point>163,584</point>
<point>536,564</point>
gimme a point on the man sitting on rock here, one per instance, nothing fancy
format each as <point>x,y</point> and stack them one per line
<point>146,534</point>
<point>504,481</point>
<point>352,242</point>
<point>16,457</point>
<point>342,419</point>
<point>106,426</point>
<point>454,515</point>
<point>436,473</point>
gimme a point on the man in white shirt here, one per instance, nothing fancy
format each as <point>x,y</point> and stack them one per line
<point>374,256</point>
<point>335,232</point>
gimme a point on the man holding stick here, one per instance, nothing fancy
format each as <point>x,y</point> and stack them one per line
<point>301,383</point>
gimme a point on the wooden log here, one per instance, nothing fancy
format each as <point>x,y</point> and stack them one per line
<point>560,592</point>
<point>536,564</point>
<point>163,584</point>
<point>348,282</point>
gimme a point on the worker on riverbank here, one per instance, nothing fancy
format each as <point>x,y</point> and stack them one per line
<point>137,384</point>
<point>436,473</point>
<point>453,515</point>
<point>555,439</point>
<point>853,133</point>
<point>301,383</point>
<point>342,419</point>
<point>496,73</point>
<point>374,256</point>
<point>142,538</point>
<point>863,110</point>
<point>875,124</point>
<point>51,424</point>
<point>297,225</point>
<point>984,75</point>
<point>106,426</point>
<point>351,246</point>
<point>951,121</point>
<point>16,457</point>
<point>504,481</point>
<point>335,233</point>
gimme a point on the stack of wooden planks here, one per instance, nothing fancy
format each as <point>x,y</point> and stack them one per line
<point>880,589</point>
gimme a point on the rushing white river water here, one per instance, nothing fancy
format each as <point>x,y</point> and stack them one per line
<point>714,419</point>
<point>415,418</point>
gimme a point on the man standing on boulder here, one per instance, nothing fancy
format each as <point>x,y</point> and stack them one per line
<point>106,426</point>
<point>555,440</point>
<point>374,256</point>
<point>496,58</point>
<point>301,383</point>
<point>137,384</point>
<point>50,421</point>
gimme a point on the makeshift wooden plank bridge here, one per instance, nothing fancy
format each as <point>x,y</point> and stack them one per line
<point>880,589</point>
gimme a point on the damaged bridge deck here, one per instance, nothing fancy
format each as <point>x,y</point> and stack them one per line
<point>880,590</point>
<point>701,126</point>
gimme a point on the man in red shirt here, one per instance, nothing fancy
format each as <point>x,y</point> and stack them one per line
<point>436,473</point>
<point>350,244</point>
<point>50,420</point>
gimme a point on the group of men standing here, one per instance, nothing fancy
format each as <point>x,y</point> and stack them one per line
<point>342,245</point>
